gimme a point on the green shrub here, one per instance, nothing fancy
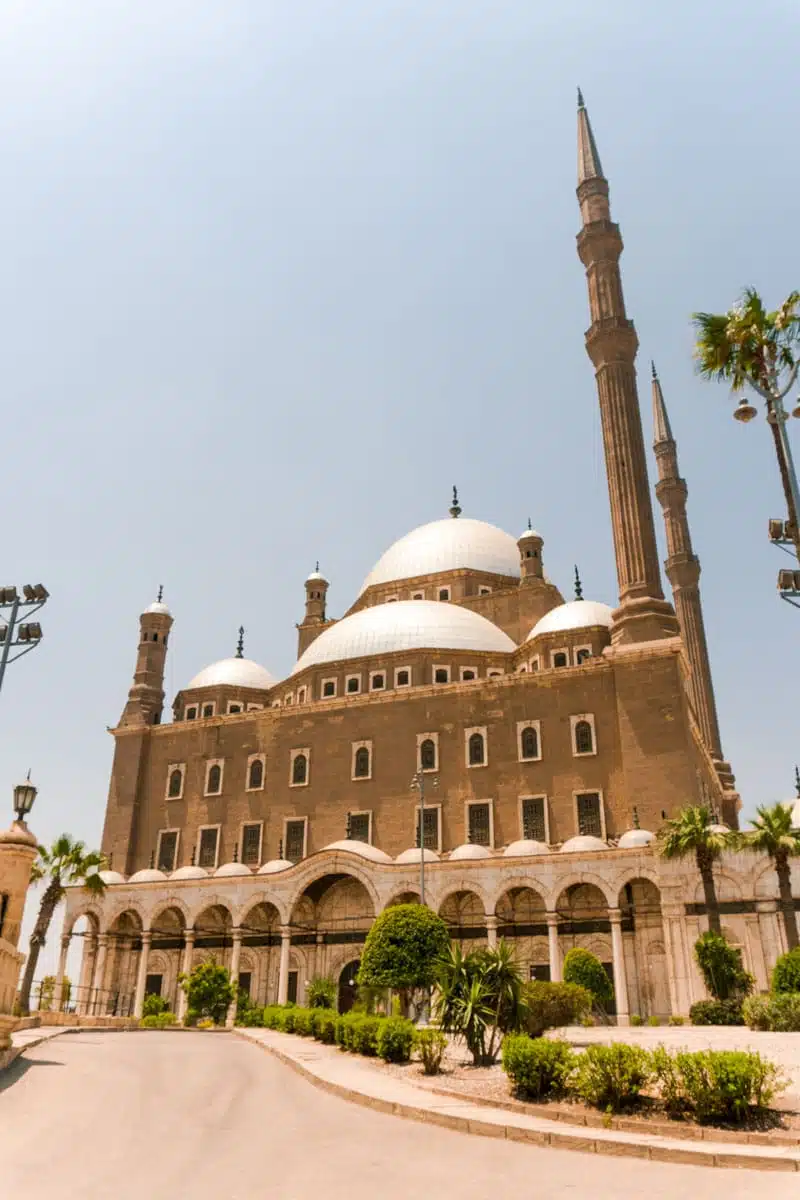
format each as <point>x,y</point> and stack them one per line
<point>271,1016</point>
<point>323,1024</point>
<point>358,1032</point>
<point>159,1020</point>
<point>779,1013</point>
<point>153,1005</point>
<point>716,1012</point>
<point>722,1085</point>
<point>431,1044</point>
<point>636,1020</point>
<point>677,1020</point>
<point>321,992</point>
<point>394,1039</point>
<point>537,1067</point>
<point>402,947</point>
<point>721,966</point>
<point>611,1076</point>
<point>664,1067</point>
<point>786,972</point>
<point>301,1022</point>
<point>653,1021</point>
<point>551,1005</point>
<point>479,997</point>
<point>250,1017</point>
<point>583,968</point>
<point>209,991</point>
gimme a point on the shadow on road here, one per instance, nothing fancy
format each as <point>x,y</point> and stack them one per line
<point>20,1067</point>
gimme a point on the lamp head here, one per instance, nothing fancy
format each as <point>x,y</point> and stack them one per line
<point>24,796</point>
<point>745,411</point>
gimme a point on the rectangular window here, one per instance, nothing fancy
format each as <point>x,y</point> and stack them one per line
<point>483,590</point>
<point>360,827</point>
<point>167,857</point>
<point>417,595</point>
<point>245,982</point>
<point>291,992</point>
<point>559,658</point>
<point>590,816</point>
<point>402,677</point>
<point>441,674</point>
<point>534,819</point>
<point>251,844</point>
<point>295,839</point>
<point>479,823</point>
<point>301,695</point>
<point>153,985</point>
<point>432,833</point>
<point>582,653</point>
<point>468,673</point>
<point>234,707</point>
<point>377,681</point>
<point>209,709</point>
<point>328,688</point>
<point>207,852</point>
<point>191,712</point>
<point>427,751</point>
<point>444,593</point>
<point>352,684</point>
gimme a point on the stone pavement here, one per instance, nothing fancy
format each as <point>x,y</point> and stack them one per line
<point>347,1076</point>
<point>26,1039</point>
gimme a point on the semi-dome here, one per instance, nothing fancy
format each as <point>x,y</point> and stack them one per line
<point>413,856</point>
<point>233,672</point>
<point>576,614</point>
<point>363,849</point>
<point>583,842</point>
<point>148,875</point>
<point>189,872</point>
<point>274,865</point>
<point>406,625</point>
<point>525,848</point>
<point>447,545</point>
<point>635,837</point>
<point>230,869</point>
<point>111,877</point>
<point>470,850</point>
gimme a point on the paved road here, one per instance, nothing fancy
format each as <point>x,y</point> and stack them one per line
<point>122,1116</point>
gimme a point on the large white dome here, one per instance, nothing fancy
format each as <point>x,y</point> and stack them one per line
<point>447,545</point>
<point>577,614</point>
<point>233,672</point>
<point>405,625</point>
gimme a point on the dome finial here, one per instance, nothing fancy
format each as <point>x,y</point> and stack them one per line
<point>160,595</point>
<point>530,526</point>
<point>455,508</point>
<point>316,565</point>
<point>240,643</point>
<point>797,780</point>
<point>578,586</point>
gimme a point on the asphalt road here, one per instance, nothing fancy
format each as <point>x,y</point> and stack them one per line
<point>163,1116</point>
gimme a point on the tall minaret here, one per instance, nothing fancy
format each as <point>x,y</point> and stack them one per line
<point>146,697</point>
<point>611,343</point>
<point>683,571</point>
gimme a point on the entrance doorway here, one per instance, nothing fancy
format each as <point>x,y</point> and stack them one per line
<point>348,988</point>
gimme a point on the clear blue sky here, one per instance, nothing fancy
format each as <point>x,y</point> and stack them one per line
<point>276,274</point>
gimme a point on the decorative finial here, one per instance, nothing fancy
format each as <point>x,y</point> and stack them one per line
<point>580,99</point>
<point>240,643</point>
<point>653,369</point>
<point>316,565</point>
<point>636,818</point>
<point>529,523</point>
<point>160,595</point>
<point>280,848</point>
<point>455,508</point>
<point>578,586</point>
<point>797,780</point>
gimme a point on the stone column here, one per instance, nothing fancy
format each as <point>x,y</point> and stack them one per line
<point>553,947</point>
<point>283,970</point>
<point>235,955</point>
<point>62,970</point>
<point>96,998</point>
<point>491,932</point>
<point>88,959</point>
<point>620,974</point>
<point>141,975</point>
<point>186,966</point>
<point>319,954</point>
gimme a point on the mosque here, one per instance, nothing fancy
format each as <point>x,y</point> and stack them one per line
<point>465,730</point>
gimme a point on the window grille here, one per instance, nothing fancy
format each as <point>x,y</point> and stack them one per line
<point>477,750</point>
<point>208,848</point>
<point>359,827</point>
<point>584,738</point>
<point>427,755</point>
<point>529,741</point>
<point>255,778</point>
<point>361,763</point>
<point>251,845</point>
<point>431,828</point>
<point>214,785</point>
<point>295,840</point>
<point>480,828</point>
<point>299,769</point>
<point>589,819</point>
<point>167,851</point>
<point>534,826</point>
<point>175,783</point>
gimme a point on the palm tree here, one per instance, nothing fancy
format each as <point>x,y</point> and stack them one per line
<point>695,832</point>
<point>751,347</point>
<point>65,862</point>
<point>772,834</point>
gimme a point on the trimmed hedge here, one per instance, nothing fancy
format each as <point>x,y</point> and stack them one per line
<point>551,1005</point>
<point>537,1067</point>
<point>159,1020</point>
<point>585,969</point>
<point>786,973</point>
<point>779,1013</point>
<point>612,1076</point>
<point>715,1085</point>
<point>716,1012</point>
<point>395,1039</point>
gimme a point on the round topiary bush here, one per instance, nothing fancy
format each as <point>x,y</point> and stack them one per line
<point>786,973</point>
<point>402,948</point>
<point>584,968</point>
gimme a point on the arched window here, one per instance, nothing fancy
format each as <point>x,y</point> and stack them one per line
<point>477,750</point>
<point>584,738</point>
<point>214,780</point>
<point>427,755</point>
<point>560,660</point>
<point>361,763</point>
<point>299,769</point>
<point>255,777</point>
<point>530,742</point>
<point>582,655</point>
<point>175,783</point>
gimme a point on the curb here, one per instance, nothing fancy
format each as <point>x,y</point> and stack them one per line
<point>616,1147</point>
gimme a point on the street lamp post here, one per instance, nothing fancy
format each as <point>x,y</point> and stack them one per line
<point>418,785</point>
<point>17,631</point>
<point>24,796</point>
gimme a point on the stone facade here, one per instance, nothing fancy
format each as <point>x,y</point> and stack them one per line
<point>17,852</point>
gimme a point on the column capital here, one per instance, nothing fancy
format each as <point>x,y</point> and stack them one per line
<point>66,938</point>
<point>615,916</point>
<point>146,936</point>
<point>102,939</point>
<point>286,932</point>
<point>188,937</point>
<point>236,933</point>
<point>491,921</point>
<point>552,920</point>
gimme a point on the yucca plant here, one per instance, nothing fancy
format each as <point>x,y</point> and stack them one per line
<point>772,834</point>
<point>694,833</point>
<point>479,997</point>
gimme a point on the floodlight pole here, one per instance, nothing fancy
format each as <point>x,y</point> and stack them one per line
<point>12,620</point>
<point>35,598</point>
<point>418,785</point>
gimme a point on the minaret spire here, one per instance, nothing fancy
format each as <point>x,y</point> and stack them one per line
<point>578,585</point>
<point>455,507</point>
<point>683,571</point>
<point>240,643</point>
<point>611,343</point>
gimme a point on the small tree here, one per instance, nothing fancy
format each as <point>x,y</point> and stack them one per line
<point>721,965</point>
<point>694,833</point>
<point>402,948</point>
<point>585,969</point>
<point>786,973</point>
<point>209,991</point>
<point>772,834</point>
<point>154,1005</point>
<point>479,997</point>
<point>321,992</point>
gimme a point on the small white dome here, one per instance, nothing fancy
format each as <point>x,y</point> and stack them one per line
<point>719,828</point>
<point>228,870</point>
<point>148,875</point>
<point>447,545</point>
<point>109,877</point>
<point>528,533</point>
<point>158,607</point>
<point>635,837</point>
<point>405,625</point>
<point>363,849</point>
<point>412,856</point>
<point>189,873</point>
<point>274,865</point>
<point>316,577</point>
<point>233,672</point>
<point>583,842</point>
<point>470,850</point>
<point>525,848</point>
<point>577,614</point>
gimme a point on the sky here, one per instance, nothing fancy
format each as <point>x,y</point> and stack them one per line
<point>276,275</point>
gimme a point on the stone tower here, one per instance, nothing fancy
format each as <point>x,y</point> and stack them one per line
<point>146,697</point>
<point>315,618</point>
<point>683,571</point>
<point>611,343</point>
<point>530,555</point>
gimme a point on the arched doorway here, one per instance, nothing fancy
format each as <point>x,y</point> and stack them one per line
<point>584,922</point>
<point>643,941</point>
<point>113,978</point>
<point>330,918</point>
<point>348,988</point>
<point>522,920</point>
